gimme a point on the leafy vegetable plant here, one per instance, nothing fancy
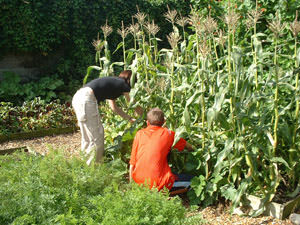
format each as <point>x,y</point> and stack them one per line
<point>35,115</point>
<point>58,189</point>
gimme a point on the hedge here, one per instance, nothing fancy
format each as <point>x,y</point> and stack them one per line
<point>64,29</point>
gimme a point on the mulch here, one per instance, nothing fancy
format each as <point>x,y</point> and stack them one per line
<point>213,215</point>
<point>68,142</point>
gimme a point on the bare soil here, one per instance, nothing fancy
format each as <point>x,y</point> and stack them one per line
<point>213,215</point>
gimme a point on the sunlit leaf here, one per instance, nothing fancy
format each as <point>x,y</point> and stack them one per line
<point>89,70</point>
<point>223,154</point>
<point>186,117</point>
<point>229,192</point>
<point>298,56</point>
<point>198,184</point>
<point>280,160</point>
<point>179,134</point>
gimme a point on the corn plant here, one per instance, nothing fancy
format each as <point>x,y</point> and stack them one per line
<point>236,101</point>
<point>105,67</point>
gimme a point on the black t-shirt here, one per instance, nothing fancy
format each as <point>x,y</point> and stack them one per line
<point>108,87</point>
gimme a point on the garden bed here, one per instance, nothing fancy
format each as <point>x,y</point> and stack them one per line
<point>219,214</point>
<point>68,141</point>
<point>37,133</point>
<point>35,118</point>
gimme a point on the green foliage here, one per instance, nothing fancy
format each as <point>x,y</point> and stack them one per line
<point>45,187</point>
<point>228,85</point>
<point>58,189</point>
<point>35,115</point>
<point>120,139</point>
<point>15,91</point>
<point>136,206</point>
<point>232,91</point>
<point>66,29</point>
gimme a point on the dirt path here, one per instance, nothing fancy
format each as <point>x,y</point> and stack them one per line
<point>214,215</point>
<point>69,142</point>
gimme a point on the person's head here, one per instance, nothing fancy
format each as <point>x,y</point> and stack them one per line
<point>126,75</point>
<point>156,117</point>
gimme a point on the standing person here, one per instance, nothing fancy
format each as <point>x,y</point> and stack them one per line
<point>85,104</point>
<point>151,146</point>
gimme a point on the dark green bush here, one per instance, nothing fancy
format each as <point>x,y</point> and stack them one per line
<point>67,28</point>
<point>13,90</point>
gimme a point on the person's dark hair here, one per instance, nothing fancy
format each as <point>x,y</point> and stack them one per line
<point>156,117</point>
<point>126,75</point>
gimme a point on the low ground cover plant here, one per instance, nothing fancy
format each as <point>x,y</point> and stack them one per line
<point>59,189</point>
<point>35,115</point>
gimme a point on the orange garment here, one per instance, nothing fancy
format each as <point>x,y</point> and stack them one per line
<point>149,156</point>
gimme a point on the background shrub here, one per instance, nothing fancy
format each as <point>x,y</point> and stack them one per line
<point>65,29</point>
<point>59,34</point>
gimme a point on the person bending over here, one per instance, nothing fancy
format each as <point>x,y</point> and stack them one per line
<point>85,104</point>
<point>151,146</point>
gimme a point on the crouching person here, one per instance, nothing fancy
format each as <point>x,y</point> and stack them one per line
<point>148,162</point>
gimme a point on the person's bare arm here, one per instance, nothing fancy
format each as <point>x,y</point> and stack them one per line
<point>119,111</point>
<point>189,146</point>
<point>127,97</point>
<point>130,173</point>
<point>138,109</point>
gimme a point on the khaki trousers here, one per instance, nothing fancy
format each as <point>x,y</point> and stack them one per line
<point>92,133</point>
